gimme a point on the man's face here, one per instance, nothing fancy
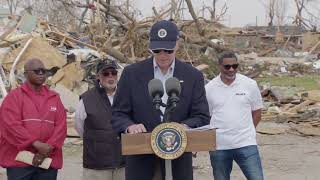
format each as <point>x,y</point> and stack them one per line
<point>164,58</point>
<point>36,73</point>
<point>229,68</point>
<point>108,78</point>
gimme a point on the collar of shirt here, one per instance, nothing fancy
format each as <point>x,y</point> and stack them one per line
<point>163,77</point>
<point>156,68</point>
<point>112,94</point>
<point>234,83</point>
<point>103,93</point>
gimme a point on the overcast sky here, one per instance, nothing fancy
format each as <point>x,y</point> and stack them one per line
<point>240,12</point>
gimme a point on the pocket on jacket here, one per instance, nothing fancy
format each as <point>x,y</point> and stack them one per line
<point>102,147</point>
<point>47,128</point>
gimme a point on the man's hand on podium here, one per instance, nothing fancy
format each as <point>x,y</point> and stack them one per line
<point>136,128</point>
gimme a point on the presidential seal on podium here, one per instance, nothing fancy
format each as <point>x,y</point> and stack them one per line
<point>169,140</point>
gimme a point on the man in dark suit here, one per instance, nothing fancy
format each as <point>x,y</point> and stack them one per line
<point>133,111</point>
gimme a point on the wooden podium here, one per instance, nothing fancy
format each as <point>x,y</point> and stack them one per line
<point>149,143</point>
<point>134,144</point>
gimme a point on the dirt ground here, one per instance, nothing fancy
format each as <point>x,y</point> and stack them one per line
<point>284,157</point>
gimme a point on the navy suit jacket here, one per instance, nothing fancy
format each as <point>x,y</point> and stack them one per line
<point>133,105</point>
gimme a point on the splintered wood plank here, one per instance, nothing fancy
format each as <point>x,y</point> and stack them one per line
<point>64,36</point>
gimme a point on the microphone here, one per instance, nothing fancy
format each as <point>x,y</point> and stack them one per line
<point>156,91</point>
<point>173,89</point>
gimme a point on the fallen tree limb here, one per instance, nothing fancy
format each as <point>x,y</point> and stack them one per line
<point>194,17</point>
<point>314,47</point>
<point>113,12</point>
<point>155,11</point>
<point>115,53</point>
<point>3,87</point>
<point>201,31</point>
<point>203,41</point>
<point>12,78</point>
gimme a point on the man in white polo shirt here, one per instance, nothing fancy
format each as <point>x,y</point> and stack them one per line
<point>235,105</point>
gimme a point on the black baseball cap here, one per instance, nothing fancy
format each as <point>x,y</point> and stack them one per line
<point>163,35</point>
<point>106,63</point>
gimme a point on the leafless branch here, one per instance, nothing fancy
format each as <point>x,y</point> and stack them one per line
<point>194,17</point>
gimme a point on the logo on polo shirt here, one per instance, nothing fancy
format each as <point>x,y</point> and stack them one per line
<point>240,94</point>
<point>162,33</point>
<point>53,108</point>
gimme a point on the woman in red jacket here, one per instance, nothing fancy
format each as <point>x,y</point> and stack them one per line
<point>32,118</point>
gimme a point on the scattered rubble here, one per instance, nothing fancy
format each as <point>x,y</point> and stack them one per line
<point>71,57</point>
<point>273,129</point>
<point>300,110</point>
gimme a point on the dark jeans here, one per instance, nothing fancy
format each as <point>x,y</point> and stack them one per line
<point>31,173</point>
<point>247,158</point>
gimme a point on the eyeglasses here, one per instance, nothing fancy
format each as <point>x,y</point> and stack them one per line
<point>39,71</point>
<point>107,73</point>
<point>156,51</point>
<point>228,66</point>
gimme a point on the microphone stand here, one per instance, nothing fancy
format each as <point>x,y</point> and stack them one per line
<point>170,107</point>
<point>167,113</point>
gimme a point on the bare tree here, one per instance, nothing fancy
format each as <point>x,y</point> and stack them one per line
<point>281,11</point>
<point>270,9</point>
<point>312,16</point>
<point>313,22</point>
<point>301,6</point>
<point>55,11</point>
<point>200,30</point>
<point>215,14</point>
<point>13,4</point>
<point>174,8</point>
<point>271,12</point>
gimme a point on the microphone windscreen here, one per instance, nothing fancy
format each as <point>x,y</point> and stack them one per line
<point>173,86</point>
<point>155,87</point>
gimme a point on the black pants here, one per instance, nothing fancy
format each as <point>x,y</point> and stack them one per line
<point>141,167</point>
<point>31,173</point>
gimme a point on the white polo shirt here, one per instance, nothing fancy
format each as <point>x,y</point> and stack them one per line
<point>231,111</point>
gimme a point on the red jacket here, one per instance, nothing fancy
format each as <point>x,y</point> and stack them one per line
<point>26,116</point>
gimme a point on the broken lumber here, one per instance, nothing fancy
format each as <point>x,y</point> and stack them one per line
<point>12,79</point>
<point>314,47</point>
<point>66,37</point>
<point>298,107</point>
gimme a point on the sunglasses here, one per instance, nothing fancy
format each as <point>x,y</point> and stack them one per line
<point>228,66</point>
<point>39,71</point>
<point>156,51</point>
<point>107,73</point>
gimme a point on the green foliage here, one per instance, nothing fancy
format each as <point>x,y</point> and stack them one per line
<point>308,82</point>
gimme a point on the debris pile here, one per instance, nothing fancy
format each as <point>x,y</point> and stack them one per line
<point>71,57</point>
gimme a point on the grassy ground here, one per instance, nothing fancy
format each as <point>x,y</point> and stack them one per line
<point>308,82</point>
